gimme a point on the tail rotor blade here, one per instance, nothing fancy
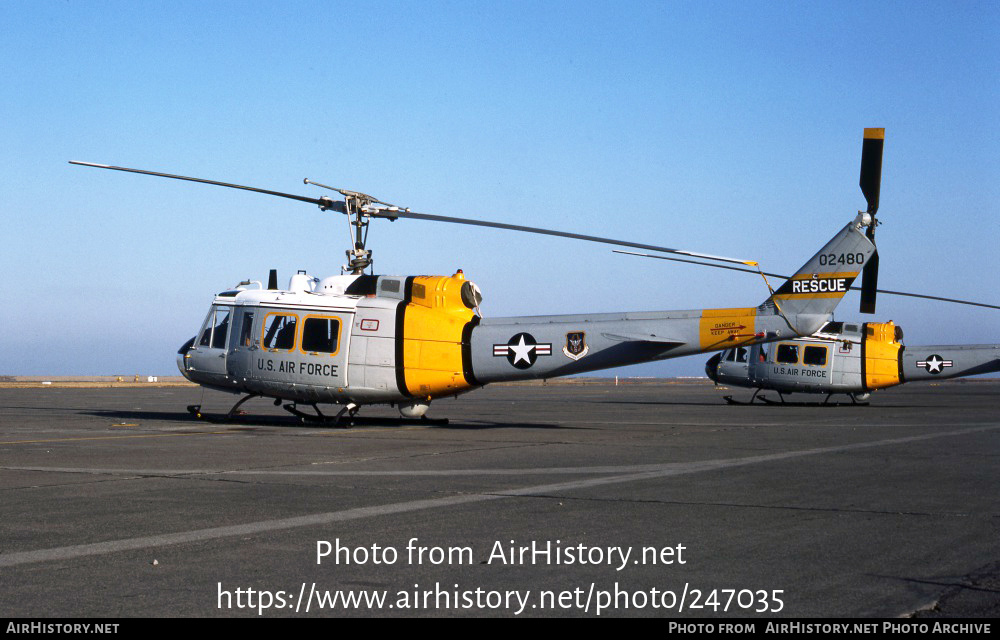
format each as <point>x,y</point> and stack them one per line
<point>871,167</point>
<point>871,182</point>
<point>869,284</point>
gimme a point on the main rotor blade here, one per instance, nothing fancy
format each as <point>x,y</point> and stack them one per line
<point>327,203</point>
<point>550,232</point>
<point>323,203</point>
<point>784,277</point>
<point>703,264</point>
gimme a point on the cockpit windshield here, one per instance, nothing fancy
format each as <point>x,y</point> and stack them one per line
<point>216,328</point>
<point>738,354</point>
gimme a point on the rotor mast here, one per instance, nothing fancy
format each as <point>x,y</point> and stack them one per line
<point>358,207</point>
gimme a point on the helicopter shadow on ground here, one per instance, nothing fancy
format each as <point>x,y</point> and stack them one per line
<point>249,420</point>
<point>480,425</point>
<point>775,403</point>
<point>675,403</point>
<point>15,407</point>
<point>160,416</point>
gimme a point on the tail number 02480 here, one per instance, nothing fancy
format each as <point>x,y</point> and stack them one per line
<point>841,258</point>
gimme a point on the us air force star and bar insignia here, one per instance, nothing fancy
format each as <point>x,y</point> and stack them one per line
<point>934,364</point>
<point>576,345</point>
<point>522,350</point>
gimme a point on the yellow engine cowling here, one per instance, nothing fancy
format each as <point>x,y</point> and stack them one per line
<point>435,321</point>
<point>880,361</point>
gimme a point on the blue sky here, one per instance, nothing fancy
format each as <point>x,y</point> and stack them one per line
<point>731,128</point>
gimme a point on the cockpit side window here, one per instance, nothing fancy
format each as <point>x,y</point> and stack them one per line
<point>814,355</point>
<point>730,355</point>
<point>321,335</point>
<point>741,354</point>
<point>787,354</point>
<point>279,331</point>
<point>246,330</point>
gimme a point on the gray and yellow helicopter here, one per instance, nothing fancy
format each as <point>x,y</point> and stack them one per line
<point>845,358</point>
<point>359,339</point>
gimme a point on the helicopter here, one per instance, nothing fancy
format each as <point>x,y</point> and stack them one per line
<point>845,358</point>
<point>359,339</point>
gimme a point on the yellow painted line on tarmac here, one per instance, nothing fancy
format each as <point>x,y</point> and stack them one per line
<point>151,435</point>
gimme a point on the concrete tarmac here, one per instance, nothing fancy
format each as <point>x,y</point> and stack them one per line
<point>559,500</point>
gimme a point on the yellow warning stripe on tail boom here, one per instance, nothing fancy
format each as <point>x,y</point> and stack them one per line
<point>721,328</point>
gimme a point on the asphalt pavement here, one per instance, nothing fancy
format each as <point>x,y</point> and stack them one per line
<point>557,500</point>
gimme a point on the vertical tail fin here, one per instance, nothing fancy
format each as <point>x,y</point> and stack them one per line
<point>817,288</point>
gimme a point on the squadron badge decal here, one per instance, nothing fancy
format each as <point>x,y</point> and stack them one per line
<point>522,350</point>
<point>576,345</point>
<point>934,364</point>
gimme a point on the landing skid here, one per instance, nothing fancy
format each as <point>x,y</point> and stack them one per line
<point>353,420</point>
<point>320,418</point>
<point>730,399</point>
<point>825,403</point>
<point>785,403</point>
<point>195,410</point>
<point>345,418</point>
